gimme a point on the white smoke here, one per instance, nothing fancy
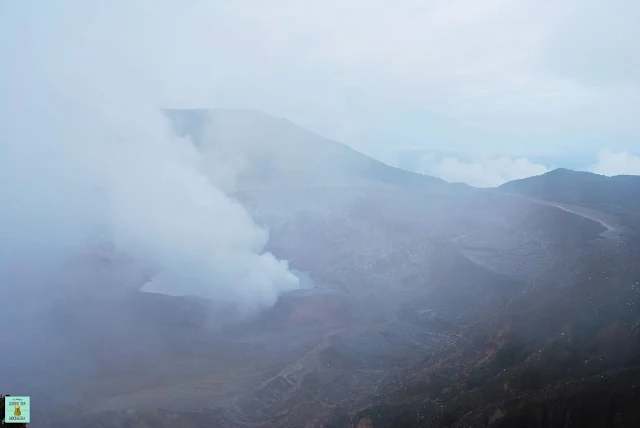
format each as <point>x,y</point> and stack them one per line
<point>86,152</point>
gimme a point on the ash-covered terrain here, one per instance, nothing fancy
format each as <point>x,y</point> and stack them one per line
<point>421,304</point>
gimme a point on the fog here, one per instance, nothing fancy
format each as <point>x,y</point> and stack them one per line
<point>100,196</point>
<point>132,243</point>
<point>87,153</point>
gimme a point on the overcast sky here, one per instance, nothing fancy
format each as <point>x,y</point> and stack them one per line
<point>475,91</point>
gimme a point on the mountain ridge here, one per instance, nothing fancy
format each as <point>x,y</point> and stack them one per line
<point>296,153</point>
<point>618,195</point>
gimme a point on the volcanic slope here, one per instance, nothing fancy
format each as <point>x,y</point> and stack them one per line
<point>431,303</point>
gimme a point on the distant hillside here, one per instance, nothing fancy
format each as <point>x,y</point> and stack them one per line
<point>268,151</point>
<point>619,195</point>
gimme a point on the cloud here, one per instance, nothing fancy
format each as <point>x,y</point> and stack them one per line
<point>491,171</point>
<point>86,154</point>
<point>500,71</point>
<point>484,172</point>
<point>505,68</point>
<point>616,163</point>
